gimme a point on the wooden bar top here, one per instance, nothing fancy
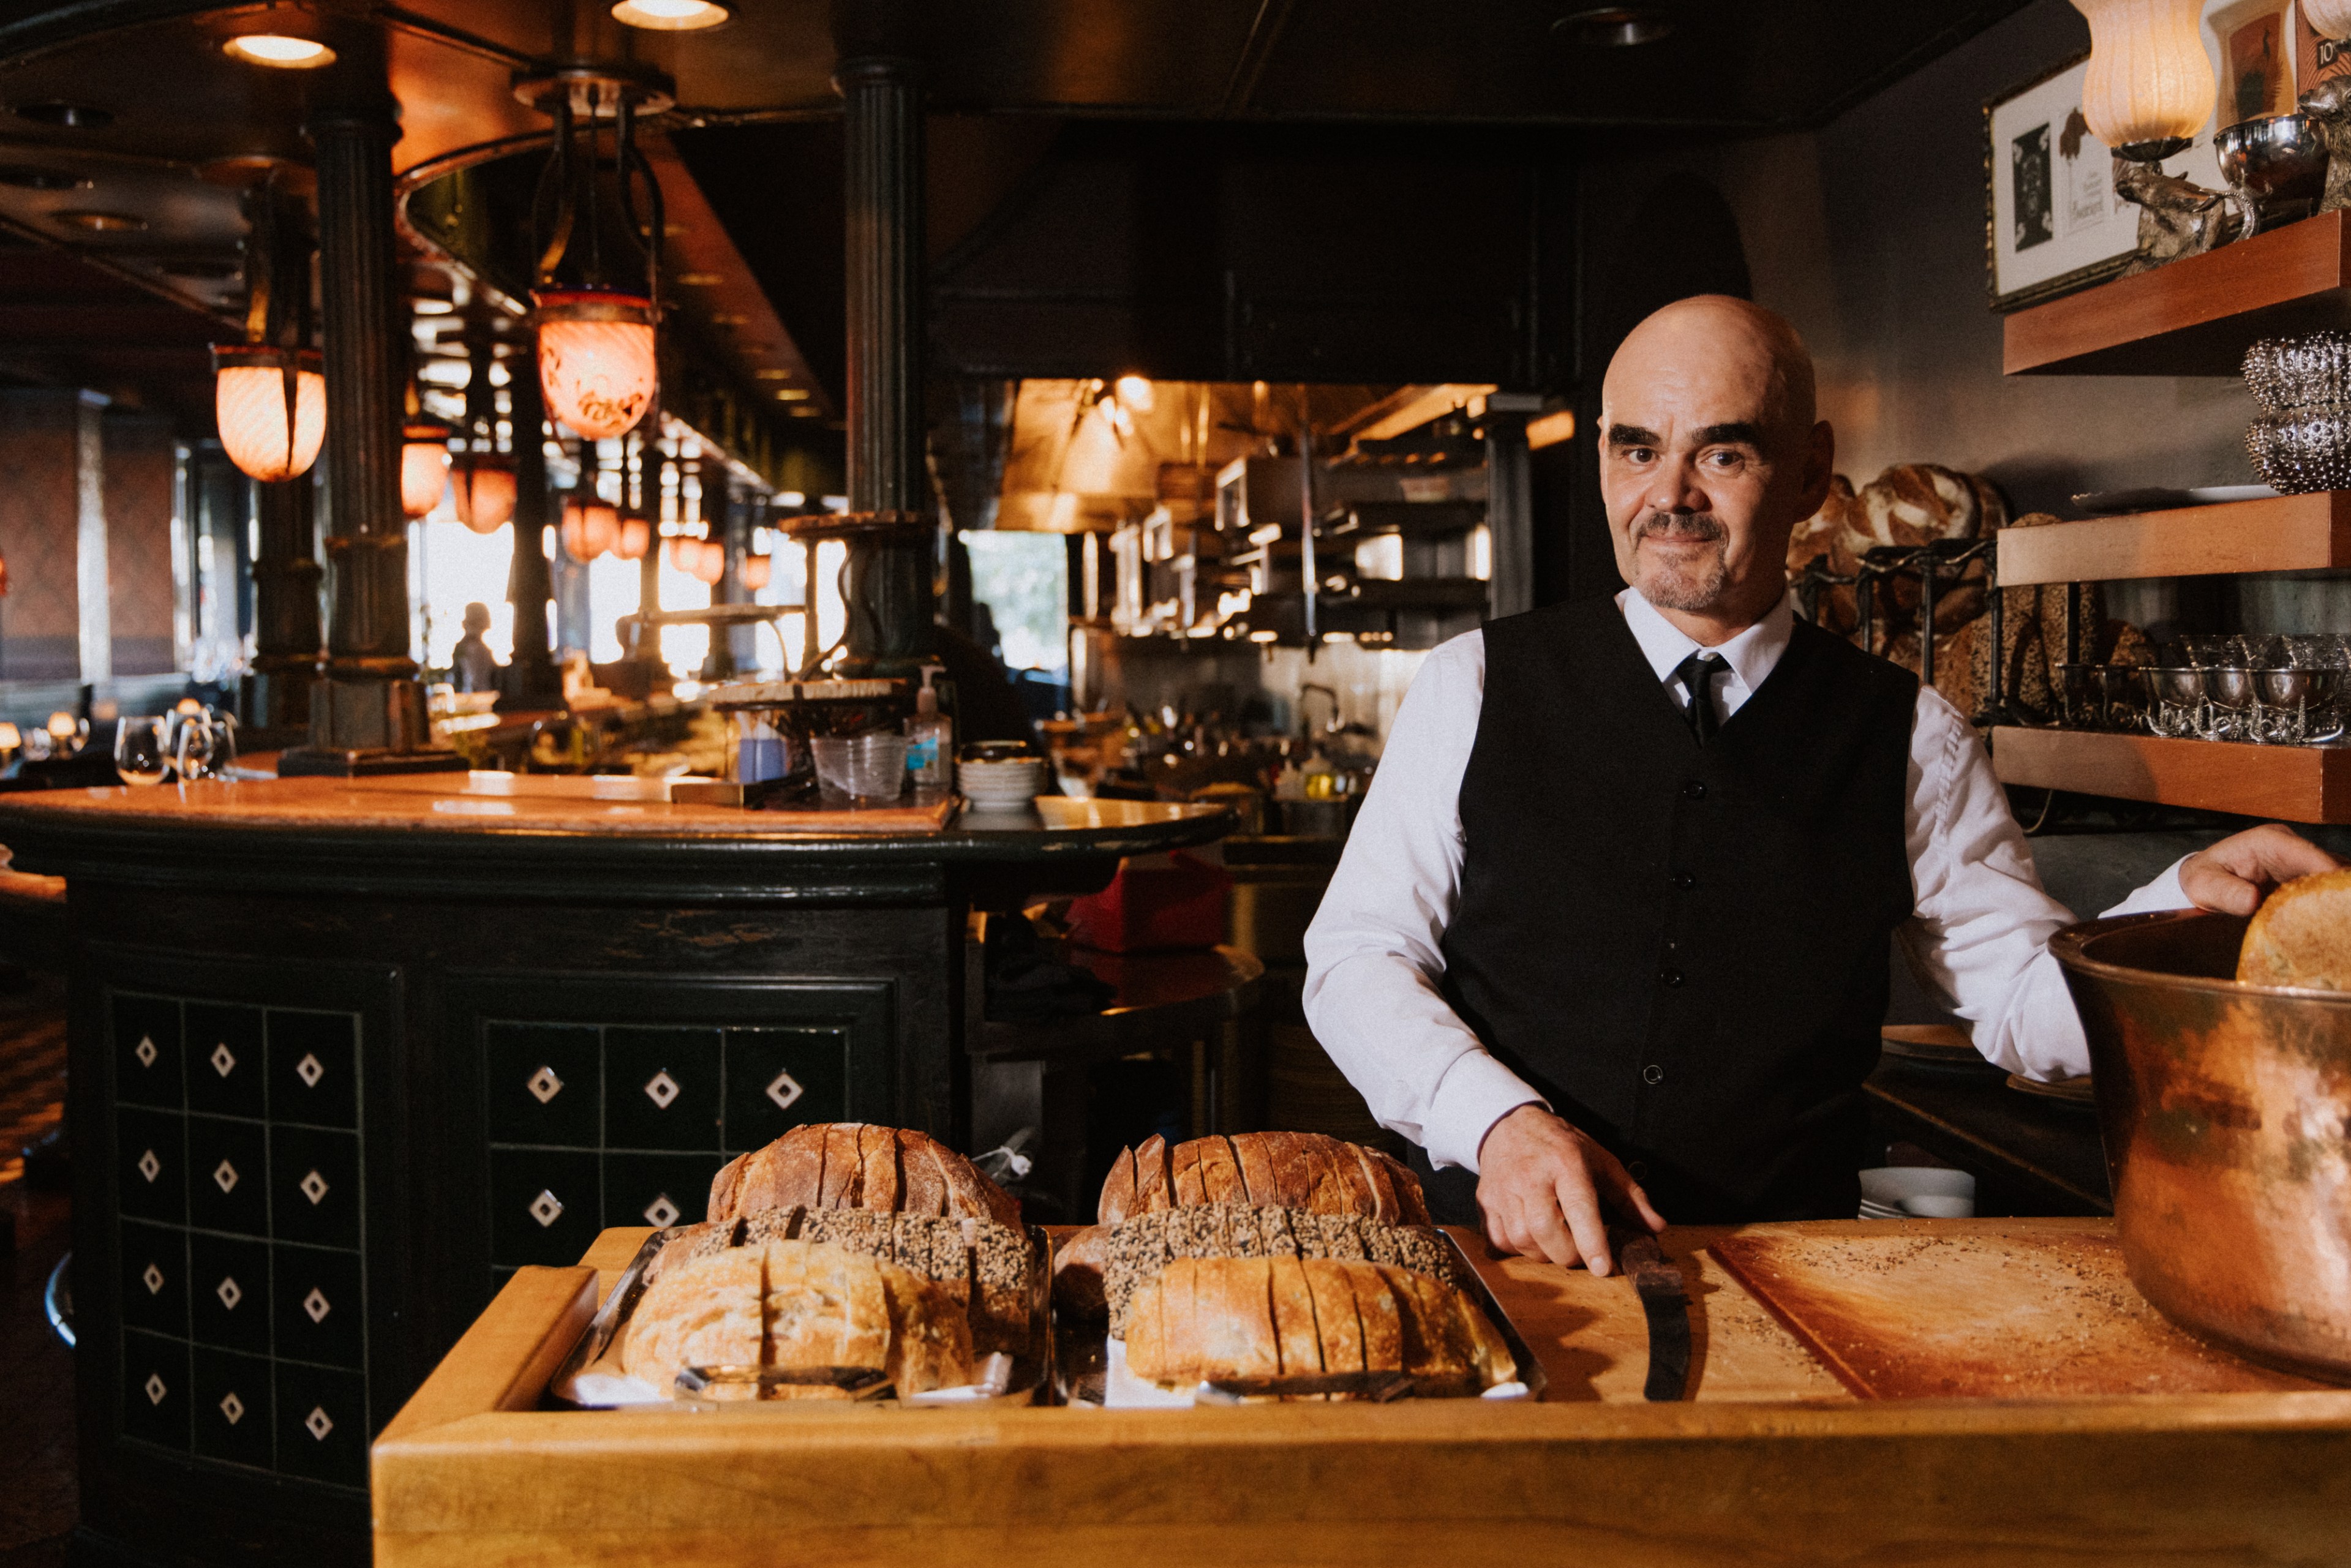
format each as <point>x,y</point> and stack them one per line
<point>1774,1461</point>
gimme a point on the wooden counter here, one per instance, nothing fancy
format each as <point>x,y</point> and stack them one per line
<point>1772,1462</point>
<point>346,1054</point>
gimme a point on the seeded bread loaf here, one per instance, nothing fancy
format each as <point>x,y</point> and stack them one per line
<point>1133,1253</point>
<point>1216,1318</point>
<point>987,1268</point>
<point>1283,1170</point>
<point>796,1303</point>
<point>2302,936</point>
<point>858,1166</point>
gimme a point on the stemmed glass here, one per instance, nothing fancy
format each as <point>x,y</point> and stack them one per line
<point>142,753</point>
<point>207,745</point>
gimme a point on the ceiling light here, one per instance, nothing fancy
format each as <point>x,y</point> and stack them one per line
<point>98,222</point>
<point>279,52</point>
<point>596,359</point>
<point>271,406</point>
<point>769,373</point>
<point>791,394</point>
<point>29,177</point>
<point>673,16</point>
<point>434,306</point>
<point>701,279</point>
<point>1616,27</point>
<point>71,116</point>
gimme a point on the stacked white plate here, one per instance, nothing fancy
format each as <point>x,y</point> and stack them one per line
<point>1007,786</point>
<point>1915,1192</point>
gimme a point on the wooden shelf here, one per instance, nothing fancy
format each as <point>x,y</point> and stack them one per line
<point>2195,317</point>
<point>2282,533</point>
<point>2295,783</point>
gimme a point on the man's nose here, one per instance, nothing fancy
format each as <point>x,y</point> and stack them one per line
<point>1673,487</point>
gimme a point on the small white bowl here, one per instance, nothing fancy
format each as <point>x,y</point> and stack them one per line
<point>1935,1206</point>
<point>1892,1184</point>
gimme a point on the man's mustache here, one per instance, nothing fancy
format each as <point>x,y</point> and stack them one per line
<point>1689,527</point>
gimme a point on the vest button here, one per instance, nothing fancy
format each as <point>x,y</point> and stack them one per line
<point>1694,790</point>
<point>1684,882</point>
<point>1652,1073</point>
<point>1637,1169</point>
<point>1668,976</point>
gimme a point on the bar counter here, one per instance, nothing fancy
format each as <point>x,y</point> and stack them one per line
<point>1772,1461</point>
<point>347,1053</point>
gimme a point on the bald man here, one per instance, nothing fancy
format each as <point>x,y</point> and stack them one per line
<point>1611,930</point>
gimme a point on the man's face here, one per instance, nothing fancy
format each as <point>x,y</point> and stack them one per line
<point>1702,477</point>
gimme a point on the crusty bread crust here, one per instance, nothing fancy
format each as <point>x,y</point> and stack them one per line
<point>2301,935</point>
<point>853,1165</point>
<point>1275,1169</point>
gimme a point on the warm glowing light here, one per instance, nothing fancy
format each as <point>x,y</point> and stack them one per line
<point>10,740</point>
<point>590,529</point>
<point>1135,391</point>
<point>260,434</point>
<point>486,491</point>
<point>423,467</point>
<point>672,15</point>
<point>279,52</point>
<point>756,572</point>
<point>596,359</point>
<point>636,538</point>
<point>2149,81</point>
<point>710,565</point>
<point>685,549</point>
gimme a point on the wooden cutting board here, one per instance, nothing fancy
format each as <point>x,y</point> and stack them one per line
<point>1926,1314</point>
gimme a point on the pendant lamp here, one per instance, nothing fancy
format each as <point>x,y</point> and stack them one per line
<point>485,487</point>
<point>710,565</point>
<point>756,572</point>
<point>596,359</point>
<point>2328,18</point>
<point>271,405</point>
<point>590,528</point>
<point>2149,86</point>
<point>636,539</point>
<point>423,465</point>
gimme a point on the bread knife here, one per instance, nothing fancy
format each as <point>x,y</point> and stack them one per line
<point>1659,1285</point>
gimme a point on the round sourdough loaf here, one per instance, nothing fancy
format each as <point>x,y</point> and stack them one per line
<point>2302,936</point>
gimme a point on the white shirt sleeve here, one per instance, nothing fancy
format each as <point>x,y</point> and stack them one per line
<point>1979,939</point>
<point>1372,953</point>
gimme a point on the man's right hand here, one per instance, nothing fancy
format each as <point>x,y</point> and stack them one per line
<point>1540,1184</point>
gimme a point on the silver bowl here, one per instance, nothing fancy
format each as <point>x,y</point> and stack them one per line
<point>2298,688</point>
<point>2311,371</point>
<point>2303,451</point>
<point>2277,162</point>
<point>2229,689</point>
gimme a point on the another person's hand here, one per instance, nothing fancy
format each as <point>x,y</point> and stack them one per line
<point>1540,1186</point>
<point>2234,875</point>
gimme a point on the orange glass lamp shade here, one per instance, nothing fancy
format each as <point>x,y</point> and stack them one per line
<point>590,529</point>
<point>2149,84</point>
<point>486,491</point>
<point>636,538</point>
<point>685,549</point>
<point>271,405</point>
<point>756,572</point>
<point>423,467</point>
<point>596,360</point>
<point>710,565</point>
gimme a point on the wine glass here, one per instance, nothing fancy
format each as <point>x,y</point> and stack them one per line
<point>142,753</point>
<point>206,745</point>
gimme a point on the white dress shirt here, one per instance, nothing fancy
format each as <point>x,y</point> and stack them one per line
<point>1978,940</point>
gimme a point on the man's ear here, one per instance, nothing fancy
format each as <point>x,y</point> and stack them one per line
<point>1819,467</point>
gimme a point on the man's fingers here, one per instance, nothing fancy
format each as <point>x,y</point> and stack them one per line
<point>2234,874</point>
<point>1581,1204</point>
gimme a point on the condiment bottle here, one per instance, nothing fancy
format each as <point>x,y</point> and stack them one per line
<point>930,738</point>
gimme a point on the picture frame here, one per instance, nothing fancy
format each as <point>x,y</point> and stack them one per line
<point>2053,224</point>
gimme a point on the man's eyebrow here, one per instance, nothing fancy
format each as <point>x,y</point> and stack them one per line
<point>1622,435</point>
<point>1741,433</point>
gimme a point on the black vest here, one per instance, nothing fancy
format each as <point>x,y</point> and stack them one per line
<point>1684,948</point>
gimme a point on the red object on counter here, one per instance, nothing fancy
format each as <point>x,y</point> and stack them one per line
<point>1161,901</point>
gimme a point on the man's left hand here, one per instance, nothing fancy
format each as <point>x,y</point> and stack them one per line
<point>2234,875</point>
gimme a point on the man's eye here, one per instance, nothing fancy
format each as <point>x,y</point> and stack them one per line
<point>1639,454</point>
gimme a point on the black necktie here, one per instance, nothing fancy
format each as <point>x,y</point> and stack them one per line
<point>1696,675</point>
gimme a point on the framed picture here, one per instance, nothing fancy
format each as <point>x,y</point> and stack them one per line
<point>2053,222</point>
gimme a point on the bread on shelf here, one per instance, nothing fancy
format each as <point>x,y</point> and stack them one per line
<point>785,1303</point>
<point>858,1166</point>
<point>1256,1318</point>
<point>1282,1170</point>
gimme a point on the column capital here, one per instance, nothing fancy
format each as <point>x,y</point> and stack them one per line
<point>877,70</point>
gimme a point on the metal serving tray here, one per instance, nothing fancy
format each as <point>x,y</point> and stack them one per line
<point>1029,1365</point>
<point>1083,1359</point>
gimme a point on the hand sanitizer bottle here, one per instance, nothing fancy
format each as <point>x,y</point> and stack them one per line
<point>930,739</point>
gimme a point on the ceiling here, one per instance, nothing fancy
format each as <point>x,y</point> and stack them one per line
<point>176,118</point>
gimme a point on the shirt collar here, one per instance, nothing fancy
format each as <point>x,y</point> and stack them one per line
<point>1751,654</point>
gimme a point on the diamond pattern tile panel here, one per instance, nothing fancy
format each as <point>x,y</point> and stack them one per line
<point>242,1281</point>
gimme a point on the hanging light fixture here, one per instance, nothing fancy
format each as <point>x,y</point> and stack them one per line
<point>710,564</point>
<point>2149,86</point>
<point>482,477</point>
<point>269,392</point>
<point>591,527</point>
<point>596,362</point>
<point>756,572</point>
<point>423,465</point>
<point>636,538</point>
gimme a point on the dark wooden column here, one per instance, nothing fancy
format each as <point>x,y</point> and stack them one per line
<point>889,569</point>
<point>532,679</point>
<point>370,699</point>
<point>286,637</point>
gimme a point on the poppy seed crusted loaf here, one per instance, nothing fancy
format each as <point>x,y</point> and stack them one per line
<point>1134,1253</point>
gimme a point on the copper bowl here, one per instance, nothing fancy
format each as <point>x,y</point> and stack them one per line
<point>2226,1117</point>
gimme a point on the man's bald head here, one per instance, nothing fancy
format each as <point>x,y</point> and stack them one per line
<point>1710,452</point>
<point>1729,338</point>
